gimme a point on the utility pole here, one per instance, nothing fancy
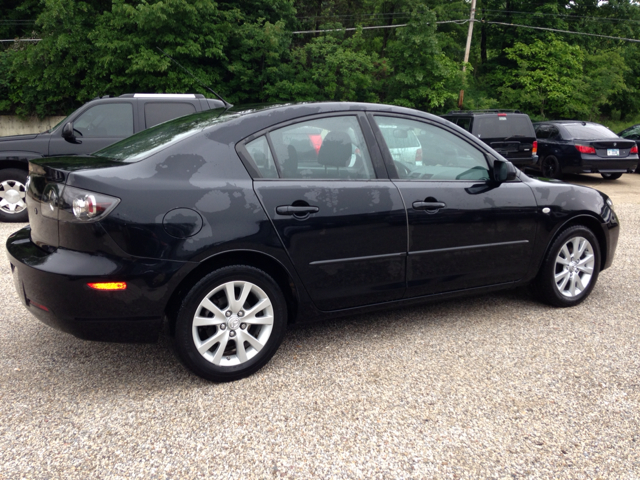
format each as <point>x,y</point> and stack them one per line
<point>466,51</point>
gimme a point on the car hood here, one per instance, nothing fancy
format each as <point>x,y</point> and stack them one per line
<point>13,138</point>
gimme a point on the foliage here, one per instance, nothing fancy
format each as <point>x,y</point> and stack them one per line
<point>248,52</point>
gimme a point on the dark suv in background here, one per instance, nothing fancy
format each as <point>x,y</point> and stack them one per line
<point>95,125</point>
<point>509,132</point>
<point>574,146</point>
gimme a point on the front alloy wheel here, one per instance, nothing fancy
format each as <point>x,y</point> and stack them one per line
<point>570,268</point>
<point>12,195</point>
<point>574,268</point>
<point>236,325</point>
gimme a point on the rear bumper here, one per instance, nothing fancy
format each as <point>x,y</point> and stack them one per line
<point>53,287</point>
<point>594,164</point>
<point>531,161</point>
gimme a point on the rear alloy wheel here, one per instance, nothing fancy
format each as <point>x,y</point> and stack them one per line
<point>13,191</point>
<point>570,269</point>
<point>231,323</point>
<point>611,176</point>
<point>550,167</point>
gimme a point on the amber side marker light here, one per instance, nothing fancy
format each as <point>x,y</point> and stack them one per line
<point>108,286</point>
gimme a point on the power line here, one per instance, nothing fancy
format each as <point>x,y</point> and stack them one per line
<point>537,14</point>
<point>459,22</point>
<point>563,31</point>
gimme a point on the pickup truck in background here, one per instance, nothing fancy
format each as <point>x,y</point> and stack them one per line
<point>93,126</point>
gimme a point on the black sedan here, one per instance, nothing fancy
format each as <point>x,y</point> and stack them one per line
<point>571,146</point>
<point>232,225</point>
<point>632,133</point>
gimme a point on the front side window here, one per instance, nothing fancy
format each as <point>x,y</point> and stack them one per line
<point>107,120</point>
<point>323,148</point>
<point>440,155</point>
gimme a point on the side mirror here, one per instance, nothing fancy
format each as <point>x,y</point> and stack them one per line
<point>503,171</point>
<point>68,134</point>
<point>67,131</point>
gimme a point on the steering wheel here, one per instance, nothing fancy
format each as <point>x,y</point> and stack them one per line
<point>401,167</point>
<point>78,132</point>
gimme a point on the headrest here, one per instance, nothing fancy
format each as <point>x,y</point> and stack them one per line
<point>335,150</point>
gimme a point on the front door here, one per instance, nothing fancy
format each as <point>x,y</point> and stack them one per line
<point>464,230</point>
<point>95,128</point>
<point>344,228</point>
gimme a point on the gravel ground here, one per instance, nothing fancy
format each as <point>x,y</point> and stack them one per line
<point>497,386</point>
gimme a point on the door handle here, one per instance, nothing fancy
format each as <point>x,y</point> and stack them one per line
<point>428,205</point>
<point>296,210</point>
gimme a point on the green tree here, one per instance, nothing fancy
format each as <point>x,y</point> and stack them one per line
<point>547,79</point>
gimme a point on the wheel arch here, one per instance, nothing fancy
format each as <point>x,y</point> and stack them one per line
<point>592,224</point>
<point>18,164</point>
<point>252,258</point>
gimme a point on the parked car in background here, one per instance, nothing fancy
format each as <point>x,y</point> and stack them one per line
<point>632,133</point>
<point>572,146</point>
<point>509,132</point>
<point>403,145</point>
<point>230,226</point>
<point>93,126</point>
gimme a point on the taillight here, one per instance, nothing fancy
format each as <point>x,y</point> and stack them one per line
<point>79,205</point>
<point>585,149</point>
<point>419,156</point>
<point>634,149</point>
<point>534,150</point>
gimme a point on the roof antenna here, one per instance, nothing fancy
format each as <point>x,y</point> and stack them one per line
<point>227,104</point>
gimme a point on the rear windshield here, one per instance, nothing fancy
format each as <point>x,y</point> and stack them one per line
<point>154,139</point>
<point>588,132</point>
<point>503,127</point>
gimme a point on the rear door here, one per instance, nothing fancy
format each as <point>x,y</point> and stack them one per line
<point>341,221</point>
<point>464,230</point>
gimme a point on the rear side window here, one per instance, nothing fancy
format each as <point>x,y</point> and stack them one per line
<point>159,112</point>
<point>106,120</point>
<point>260,153</point>
<point>509,125</point>
<point>464,123</point>
<point>323,148</point>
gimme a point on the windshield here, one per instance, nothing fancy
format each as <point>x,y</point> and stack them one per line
<point>56,125</point>
<point>154,139</point>
<point>510,125</point>
<point>589,131</point>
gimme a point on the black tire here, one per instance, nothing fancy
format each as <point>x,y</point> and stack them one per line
<point>550,167</point>
<point>611,176</point>
<point>235,361</point>
<point>546,285</point>
<point>13,183</point>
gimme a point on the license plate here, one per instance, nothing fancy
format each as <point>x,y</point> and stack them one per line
<point>613,152</point>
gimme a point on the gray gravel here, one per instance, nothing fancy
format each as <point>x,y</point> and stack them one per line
<point>497,386</point>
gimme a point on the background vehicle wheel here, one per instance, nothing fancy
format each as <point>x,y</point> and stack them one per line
<point>611,176</point>
<point>231,323</point>
<point>570,269</point>
<point>12,195</point>
<point>550,167</point>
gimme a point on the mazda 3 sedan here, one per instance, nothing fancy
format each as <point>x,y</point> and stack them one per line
<point>229,226</point>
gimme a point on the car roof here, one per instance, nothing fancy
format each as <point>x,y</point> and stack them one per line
<point>476,113</point>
